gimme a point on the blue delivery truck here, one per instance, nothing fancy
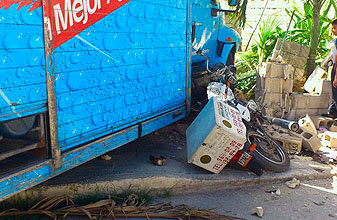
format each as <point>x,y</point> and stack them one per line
<point>79,78</point>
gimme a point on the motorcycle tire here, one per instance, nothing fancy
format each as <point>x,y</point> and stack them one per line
<point>268,152</point>
<point>18,127</point>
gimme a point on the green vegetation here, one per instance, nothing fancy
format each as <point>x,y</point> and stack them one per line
<point>301,31</point>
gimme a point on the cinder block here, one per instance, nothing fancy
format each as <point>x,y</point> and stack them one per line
<point>299,101</point>
<point>275,70</point>
<point>292,144</point>
<point>322,121</point>
<point>300,113</point>
<point>272,98</point>
<point>310,140</point>
<point>317,102</point>
<point>278,85</point>
<point>295,61</point>
<point>287,85</point>
<point>304,52</point>
<point>292,48</point>
<point>307,124</point>
<point>326,88</point>
<point>330,139</point>
<point>314,82</point>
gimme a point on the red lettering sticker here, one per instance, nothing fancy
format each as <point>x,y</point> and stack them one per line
<point>67,18</point>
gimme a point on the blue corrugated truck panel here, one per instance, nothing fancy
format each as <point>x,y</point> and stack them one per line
<point>22,75</point>
<point>129,68</point>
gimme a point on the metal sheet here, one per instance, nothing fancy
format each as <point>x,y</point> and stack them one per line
<point>22,78</point>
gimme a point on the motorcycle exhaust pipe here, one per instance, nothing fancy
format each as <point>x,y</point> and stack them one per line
<point>291,125</point>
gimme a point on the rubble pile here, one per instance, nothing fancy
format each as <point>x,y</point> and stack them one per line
<point>317,134</point>
<point>279,84</point>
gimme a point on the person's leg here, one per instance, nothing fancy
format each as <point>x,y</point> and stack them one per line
<point>334,90</point>
<point>332,110</point>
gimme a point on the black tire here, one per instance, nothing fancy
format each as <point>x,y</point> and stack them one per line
<point>18,127</point>
<point>268,152</point>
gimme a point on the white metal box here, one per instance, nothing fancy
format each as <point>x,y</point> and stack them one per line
<point>215,136</point>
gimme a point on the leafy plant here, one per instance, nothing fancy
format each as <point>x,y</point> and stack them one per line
<point>267,38</point>
<point>303,25</point>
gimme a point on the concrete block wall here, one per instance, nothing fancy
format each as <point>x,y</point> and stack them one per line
<point>296,55</point>
<point>274,86</point>
<point>277,82</point>
<point>312,105</point>
<point>274,89</point>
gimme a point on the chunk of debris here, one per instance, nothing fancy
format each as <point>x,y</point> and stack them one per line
<point>307,124</point>
<point>257,211</point>
<point>292,184</point>
<point>159,161</point>
<point>106,157</point>
<point>278,192</point>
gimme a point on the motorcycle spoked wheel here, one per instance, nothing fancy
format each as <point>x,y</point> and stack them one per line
<point>268,152</point>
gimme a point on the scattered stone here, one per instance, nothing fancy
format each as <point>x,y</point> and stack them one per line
<point>159,161</point>
<point>106,157</point>
<point>332,215</point>
<point>257,211</point>
<point>278,192</point>
<point>292,184</point>
<point>179,148</point>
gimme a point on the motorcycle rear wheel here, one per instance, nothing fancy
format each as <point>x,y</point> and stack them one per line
<point>269,152</point>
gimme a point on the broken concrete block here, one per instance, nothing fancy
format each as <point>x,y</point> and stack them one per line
<point>315,80</point>
<point>257,211</point>
<point>292,144</point>
<point>310,140</point>
<point>307,124</point>
<point>330,139</point>
<point>320,121</point>
<point>292,184</point>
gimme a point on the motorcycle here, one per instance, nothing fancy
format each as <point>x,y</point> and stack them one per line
<point>261,151</point>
